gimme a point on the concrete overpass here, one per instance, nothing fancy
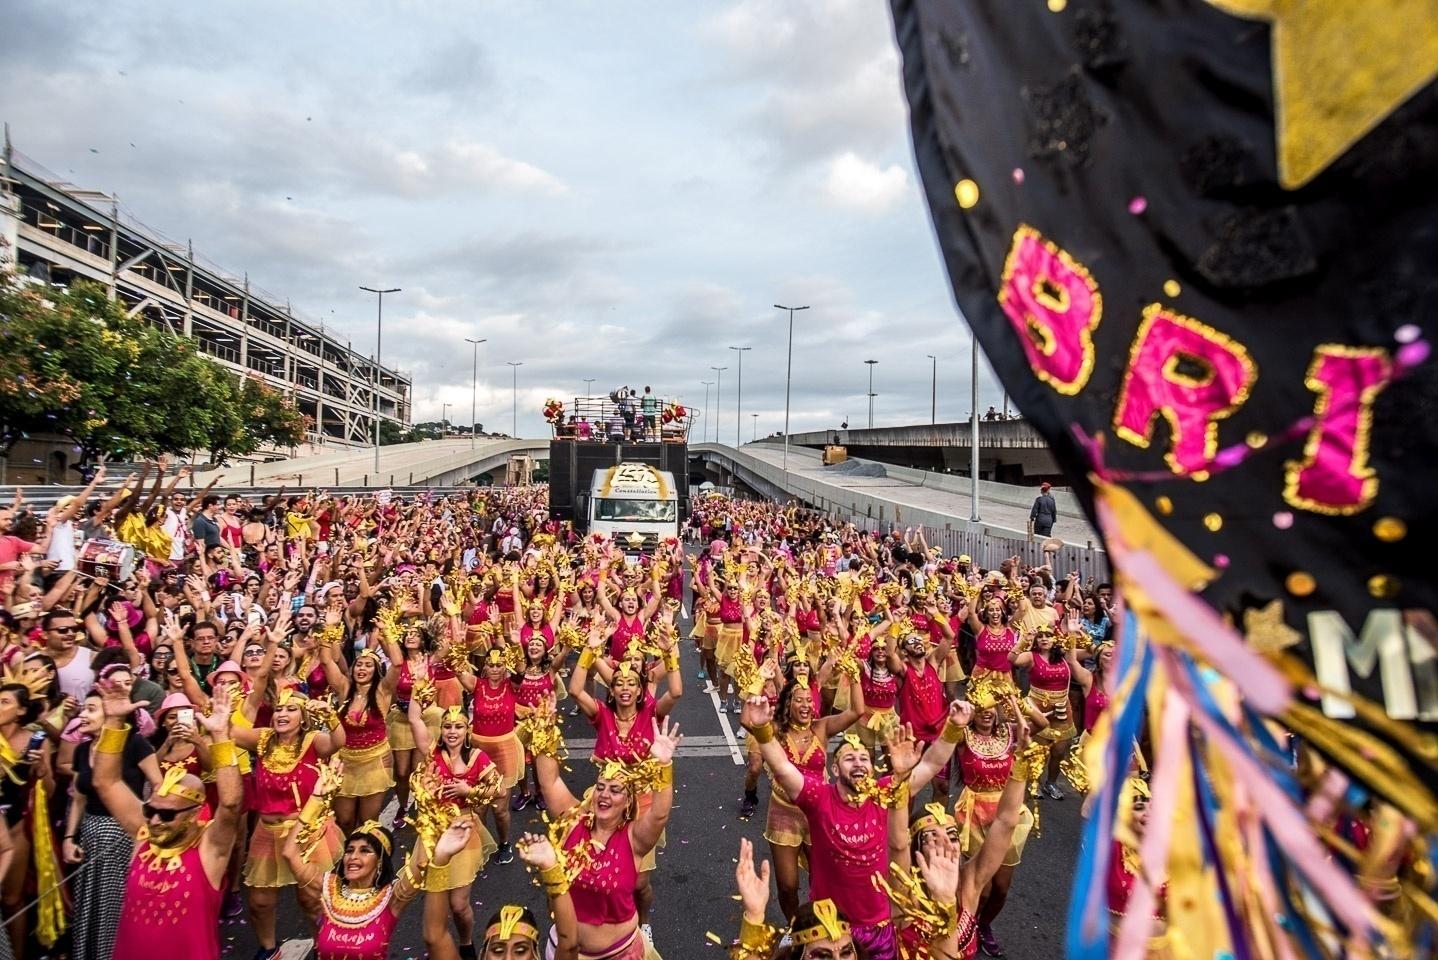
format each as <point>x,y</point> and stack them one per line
<point>1010,451</point>
<point>430,462</point>
<point>878,496</point>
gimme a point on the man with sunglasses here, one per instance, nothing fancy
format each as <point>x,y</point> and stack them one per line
<point>171,904</point>
<point>73,662</point>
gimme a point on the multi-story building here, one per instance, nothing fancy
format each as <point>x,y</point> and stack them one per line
<point>57,233</point>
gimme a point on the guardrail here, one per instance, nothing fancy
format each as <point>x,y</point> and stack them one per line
<point>42,498</point>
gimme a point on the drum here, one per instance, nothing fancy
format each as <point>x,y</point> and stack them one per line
<point>106,558</point>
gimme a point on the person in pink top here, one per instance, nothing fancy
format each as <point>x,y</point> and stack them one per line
<point>1049,676</point>
<point>848,820</point>
<point>171,904</point>
<point>362,898</point>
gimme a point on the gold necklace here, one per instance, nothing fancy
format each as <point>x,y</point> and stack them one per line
<point>987,745</point>
<point>353,908</point>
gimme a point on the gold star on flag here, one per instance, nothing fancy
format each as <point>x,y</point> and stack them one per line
<point>1265,630</point>
<point>1339,68</point>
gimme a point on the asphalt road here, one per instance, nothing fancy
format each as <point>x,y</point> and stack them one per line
<point>694,882</point>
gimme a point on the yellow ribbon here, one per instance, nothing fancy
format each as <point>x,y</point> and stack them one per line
<point>50,915</point>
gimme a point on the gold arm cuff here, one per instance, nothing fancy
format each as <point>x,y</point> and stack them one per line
<point>756,939</point>
<point>113,739</point>
<point>953,732</point>
<point>333,722</point>
<point>224,754</point>
<point>764,733</point>
<point>315,810</point>
<point>554,881</point>
<point>587,658</point>
<point>666,774</point>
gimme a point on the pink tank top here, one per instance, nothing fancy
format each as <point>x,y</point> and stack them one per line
<point>993,650</point>
<point>604,891</point>
<point>811,764</point>
<point>533,690</point>
<point>275,792</point>
<point>545,631</point>
<point>921,701</point>
<point>631,747</point>
<point>879,694</point>
<point>1052,677</point>
<point>985,772</point>
<point>624,631</point>
<point>364,938</point>
<point>368,731</point>
<point>1094,704</point>
<point>493,709</point>
<point>169,913</point>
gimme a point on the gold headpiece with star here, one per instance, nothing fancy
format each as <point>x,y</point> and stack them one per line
<point>828,925</point>
<point>626,671</point>
<point>511,922</point>
<point>32,680</point>
<point>454,714</point>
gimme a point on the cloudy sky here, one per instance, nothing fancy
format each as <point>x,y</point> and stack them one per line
<point>612,190</point>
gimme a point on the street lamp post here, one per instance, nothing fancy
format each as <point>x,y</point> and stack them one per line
<point>443,419</point>
<point>973,426</point>
<point>474,388</point>
<point>871,364</point>
<point>514,398</point>
<point>705,434</point>
<point>718,397</point>
<point>755,435</point>
<point>378,337</point>
<point>588,389</point>
<point>739,395</point>
<point>788,372</point>
<point>934,391</point>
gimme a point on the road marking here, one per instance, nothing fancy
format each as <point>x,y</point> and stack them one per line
<point>295,949</point>
<point>723,715</point>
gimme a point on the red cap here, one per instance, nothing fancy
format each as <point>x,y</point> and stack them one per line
<point>1044,486</point>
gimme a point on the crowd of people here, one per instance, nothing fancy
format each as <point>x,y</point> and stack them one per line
<point>230,721</point>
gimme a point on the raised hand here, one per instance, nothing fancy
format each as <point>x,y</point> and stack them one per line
<point>217,724</point>
<point>331,775</point>
<point>757,712</point>
<point>666,740</point>
<point>904,750</point>
<point>961,712</point>
<point>453,840</point>
<point>940,869</point>
<point>537,851</point>
<point>115,701</point>
<point>753,884</point>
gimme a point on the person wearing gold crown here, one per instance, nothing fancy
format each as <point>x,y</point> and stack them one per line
<point>1125,872</point>
<point>417,672</point>
<point>991,742</point>
<point>493,729</point>
<point>513,931</point>
<point>606,839</point>
<point>467,781</point>
<point>366,692</point>
<point>287,753</point>
<point>630,616</point>
<point>994,639</point>
<point>362,897</point>
<point>848,823</point>
<point>171,905</point>
<point>921,702</point>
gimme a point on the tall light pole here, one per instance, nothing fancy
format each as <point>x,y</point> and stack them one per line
<point>514,426</point>
<point>871,364</point>
<point>718,397</point>
<point>973,426</point>
<point>755,435</point>
<point>705,434</point>
<point>788,371</point>
<point>378,337</point>
<point>474,388</point>
<point>739,396</point>
<point>589,390</point>
<point>443,418</point>
<point>934,391</point>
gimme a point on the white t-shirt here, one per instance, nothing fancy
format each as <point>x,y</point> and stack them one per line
<point>177,525</point>
<point>76,677</point>
<point>62,545</point>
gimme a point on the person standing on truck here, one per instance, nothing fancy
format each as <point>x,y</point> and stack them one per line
<point>650,406</point>
<point>1044,513</point>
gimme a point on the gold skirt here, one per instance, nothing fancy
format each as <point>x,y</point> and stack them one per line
<point>368,771</point>
<point>785,825</point>
<point>401,737</point>
<point>506,753</point>
<point>952,671</point>
<point>465,865</point>
<point>265,866</point>
<point>872,729</point>
<point>730,636</point>
<point>975,812</point>
<point>1056,710</point>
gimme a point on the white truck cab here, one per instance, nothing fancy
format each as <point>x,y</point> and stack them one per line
<point>634,504</point>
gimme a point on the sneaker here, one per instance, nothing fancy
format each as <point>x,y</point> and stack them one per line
<point>520,801</point>
<point>989,943</point>
<point>539,803</point>
<point>736,706</point>
<point>748,805</point>
<point>1053,792</point>
<point>648,932</point>
<point>234,904</point>
<point>504,853</point>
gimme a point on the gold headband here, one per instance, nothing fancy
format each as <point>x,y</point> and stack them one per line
<point>936,816</point>
<point>827,924</point>
<point>291,696</point>
<point>172,786</point>
<point>374,830</point>
<point>454,714</point>
<point>511,922</point>
<point>850,740</point>
<point>626,671</point>
<point>367,652</point>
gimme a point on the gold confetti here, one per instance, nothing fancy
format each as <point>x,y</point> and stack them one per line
<point>1256,439</point>
<point>1390,529</point>
<point>1057,6</point>
<point>1300,583</point>
<point>1164,505</point>
<point>1213,522</point>
<point>967,193</point>
<point>713,938</point>
<point>1171,288</point>
<point>1383,586</point>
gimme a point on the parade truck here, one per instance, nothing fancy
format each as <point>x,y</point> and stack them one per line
<point>635,491</point>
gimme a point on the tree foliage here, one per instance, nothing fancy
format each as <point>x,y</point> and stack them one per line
<point>73,363</point>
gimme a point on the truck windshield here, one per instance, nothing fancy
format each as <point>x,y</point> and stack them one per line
<point>649,511</point>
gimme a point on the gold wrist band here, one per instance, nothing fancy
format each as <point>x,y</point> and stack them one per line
<point>314,811</point>
<point>223,754</point>
<point>757,939</point>
<point>763,733</point>
<point>666,774</point>
<point>953,732</point>
<point>671,663</point>
<point>587,658</point>
<point>113,739</point>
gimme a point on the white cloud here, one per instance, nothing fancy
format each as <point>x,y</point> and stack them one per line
<point>480,164</point>
<point>854,183</point>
